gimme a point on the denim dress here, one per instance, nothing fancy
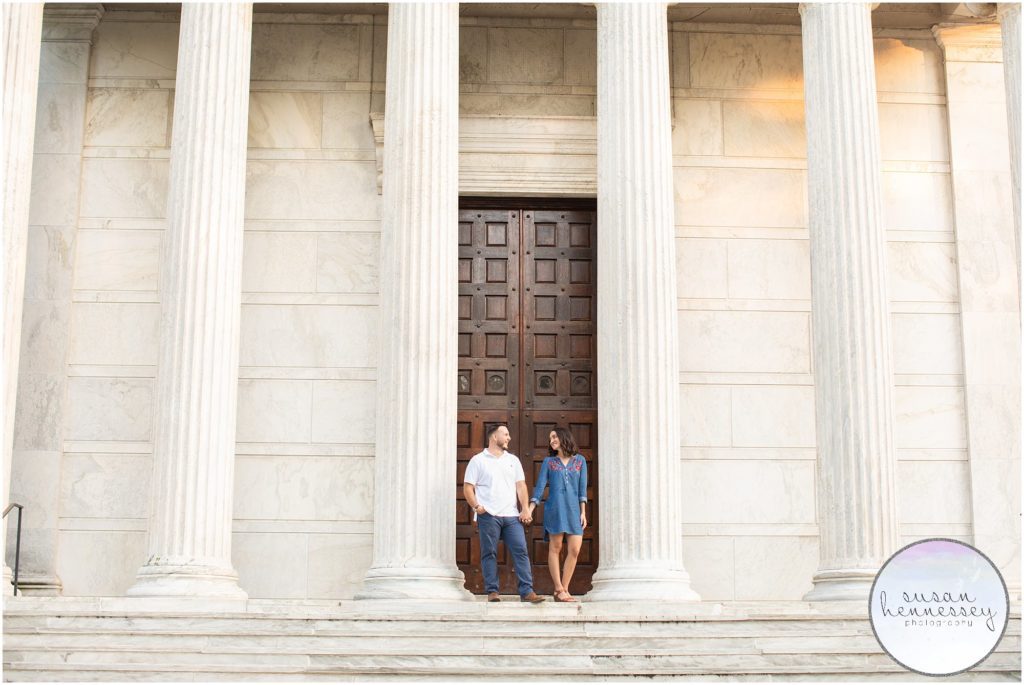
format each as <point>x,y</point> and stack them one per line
<point>567,487</point>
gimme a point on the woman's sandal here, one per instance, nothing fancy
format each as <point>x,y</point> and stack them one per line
<point>560,593</point>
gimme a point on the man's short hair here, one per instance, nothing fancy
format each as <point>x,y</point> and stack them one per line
<point>489,432</point>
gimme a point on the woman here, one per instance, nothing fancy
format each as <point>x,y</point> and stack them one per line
<point>564,472</point>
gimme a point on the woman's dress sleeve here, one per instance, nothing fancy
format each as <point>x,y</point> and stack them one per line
<point>583,480</point>
<point>542,481</point>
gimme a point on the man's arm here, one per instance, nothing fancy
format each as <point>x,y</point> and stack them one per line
<point>524,502</point>
<point>469,492</point>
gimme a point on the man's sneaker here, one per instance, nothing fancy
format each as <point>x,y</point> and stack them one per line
<point>532,598</point>
<point>493,597</point>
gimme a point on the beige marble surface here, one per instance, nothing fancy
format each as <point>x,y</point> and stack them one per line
<point>717,340</point>
<point>297,52</point>
<point>745,61</point>
<point>765,491</point>
<point>129,49</point>
<point>125,117</point>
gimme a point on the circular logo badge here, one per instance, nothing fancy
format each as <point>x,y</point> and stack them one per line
<point>938,607</point>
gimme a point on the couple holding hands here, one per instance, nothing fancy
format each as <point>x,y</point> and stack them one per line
<point>494,481</point>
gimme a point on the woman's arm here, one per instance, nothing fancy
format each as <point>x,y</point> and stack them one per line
<point>538,489</point>
<point>583,493</point>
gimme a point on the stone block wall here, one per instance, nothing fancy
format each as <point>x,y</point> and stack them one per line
<point>744,303</point>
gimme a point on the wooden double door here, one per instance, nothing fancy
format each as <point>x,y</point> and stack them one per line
<point>527,357</point>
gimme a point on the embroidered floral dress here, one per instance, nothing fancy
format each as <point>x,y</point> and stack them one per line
<point>567,487</point>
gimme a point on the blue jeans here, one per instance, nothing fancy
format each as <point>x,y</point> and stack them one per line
<point>510,530</point>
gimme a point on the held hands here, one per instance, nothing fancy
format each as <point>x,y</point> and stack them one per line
<point>526,515</point>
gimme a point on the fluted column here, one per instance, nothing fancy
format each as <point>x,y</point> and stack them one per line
<point>637,346</point>
<point>414,505</point>
<point>1009,21</point>
<point>197,376</point>
<point>849,307</point>
<point>22,26</point>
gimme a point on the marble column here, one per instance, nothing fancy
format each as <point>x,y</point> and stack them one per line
<point>197,376</point>
<point>637,347</point>
<point>414,500</point>
<point>22,31</point>
<point>46,324</point>
<point>852,356</point>
<point>1009,21</point>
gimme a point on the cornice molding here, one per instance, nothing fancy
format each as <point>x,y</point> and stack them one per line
<point>66,23</point>
<point>970,42</point>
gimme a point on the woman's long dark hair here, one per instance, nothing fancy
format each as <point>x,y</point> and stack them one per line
<point>565,441</point>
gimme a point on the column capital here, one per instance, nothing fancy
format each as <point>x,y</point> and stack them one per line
<point>1004,8</point>
<point>67,23</point>
<point>969,42</point>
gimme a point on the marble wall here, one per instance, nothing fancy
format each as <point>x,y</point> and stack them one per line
<point>518,66</point>
<point>304,470</point>
<point>744,303</point>
<point>304,474</point>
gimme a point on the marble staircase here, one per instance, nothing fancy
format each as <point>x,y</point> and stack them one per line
<point>82,639</point>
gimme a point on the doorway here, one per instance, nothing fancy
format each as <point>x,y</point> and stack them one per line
<point>527,356</point>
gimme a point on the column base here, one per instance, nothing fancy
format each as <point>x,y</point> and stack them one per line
<point>837,585</point>
<point>158,578</point>
<point>428,583</point>
<point>8,589</point>
<point>40,586</point>
<point>641,583</point>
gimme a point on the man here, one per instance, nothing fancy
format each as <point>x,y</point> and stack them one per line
<point>493,481</point>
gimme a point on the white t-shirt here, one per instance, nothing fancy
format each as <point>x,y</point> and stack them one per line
<point>495,480</point>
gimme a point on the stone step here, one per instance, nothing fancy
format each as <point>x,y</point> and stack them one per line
<point>108,640</point>
<point>483,665</point>
<point>128,675</point>
<point>376,644</point>
<point>512,611</point>
<point>14,623</point>
<point>79,631</point>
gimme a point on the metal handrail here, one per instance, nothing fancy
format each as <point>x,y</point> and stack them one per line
<point>17,547</point>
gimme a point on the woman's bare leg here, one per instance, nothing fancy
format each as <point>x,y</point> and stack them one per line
<point>554,552</point>
<point>575,543</point>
